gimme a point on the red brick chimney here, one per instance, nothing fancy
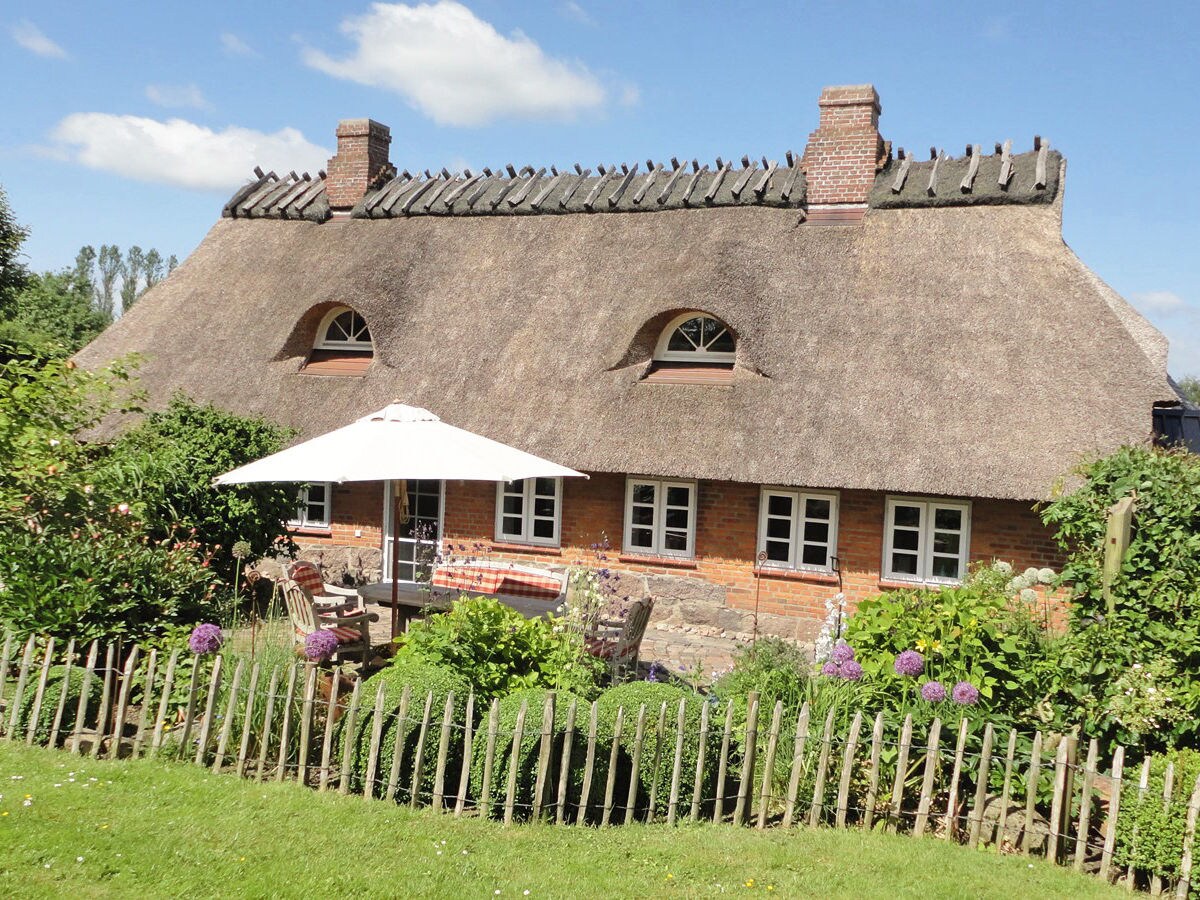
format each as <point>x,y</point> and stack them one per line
<point>844,152</point>
<point>362,154</point>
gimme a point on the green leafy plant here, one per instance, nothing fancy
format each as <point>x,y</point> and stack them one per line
<point>51,699</point>
<point>1150,829</point>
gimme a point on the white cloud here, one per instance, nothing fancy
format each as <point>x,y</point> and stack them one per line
<point>456,68</point>
<point>177,95</point>
<point>235,46</point>
<point>181,153</point>
<point>576,13</point>
<point>33,39</point>
<point>1158,301</point>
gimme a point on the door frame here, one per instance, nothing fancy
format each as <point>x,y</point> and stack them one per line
<point>387,528</point>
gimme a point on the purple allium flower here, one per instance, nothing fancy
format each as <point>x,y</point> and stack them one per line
<point>830,668</point>
<point>910,663</point>
<point>965,694</point>
<point>320,645</point>
<point>206,638</point>
<point>851,670</point>
<point>652,675</point>
<point>842,654</point>
<point>933,692</point>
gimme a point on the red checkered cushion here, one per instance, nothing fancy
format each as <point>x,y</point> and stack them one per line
<point>346,635</point>
<point>308,576</point>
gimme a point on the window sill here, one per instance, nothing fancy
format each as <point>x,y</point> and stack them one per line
<point>893,584</point>
<point>308,531</point>
<point>541,549</point>
<point>798,575</point>
<point>671,562</point>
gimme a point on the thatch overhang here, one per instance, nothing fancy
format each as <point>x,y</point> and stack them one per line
<point>959,351</point>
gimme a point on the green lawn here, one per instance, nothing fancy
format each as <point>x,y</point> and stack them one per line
<point>157,829</point>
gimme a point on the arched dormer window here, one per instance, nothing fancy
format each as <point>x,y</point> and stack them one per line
<point>342,345</point>
<point>696,338</point>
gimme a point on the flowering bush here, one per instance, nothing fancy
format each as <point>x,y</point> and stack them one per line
<point>319,646</point>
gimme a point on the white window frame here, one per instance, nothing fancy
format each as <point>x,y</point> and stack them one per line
<point>662,353</point>
<point>302,519</point>
<point>798,519</point>
<point>324,343</point>
<point>658,523</point>
<point>924,551</point>
<point>528,517</point>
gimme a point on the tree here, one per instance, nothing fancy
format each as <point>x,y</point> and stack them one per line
<point>109,263</point>
<point>53,314</point>
<point>12,273</point>
<point>1190,385</point>
<point>153,267</point>
<point>172,262</point>
<point>131,276</point>
<point>85,267</point>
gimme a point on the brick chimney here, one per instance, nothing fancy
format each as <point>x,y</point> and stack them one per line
<point>362,155</point>
<point>841,158</point>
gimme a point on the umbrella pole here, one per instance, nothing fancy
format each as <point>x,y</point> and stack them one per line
<point>395,558</point>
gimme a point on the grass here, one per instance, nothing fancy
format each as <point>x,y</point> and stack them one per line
<point>151,829</point>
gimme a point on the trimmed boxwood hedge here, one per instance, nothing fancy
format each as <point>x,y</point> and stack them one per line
<point>50,698</point>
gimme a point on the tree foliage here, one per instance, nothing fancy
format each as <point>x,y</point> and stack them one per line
<point>53,314</point>
<point>12,272</point>
<point>1190,385</point>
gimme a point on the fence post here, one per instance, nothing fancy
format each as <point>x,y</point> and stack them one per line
<point>189,714</point>
<point>1143,785</point>
<point>247,725</point>
<point>114,748</point>
<point>764,796</point>
<point>372,767</point>
<point>84,692</point>
<point>542,778</point>
<point>798,747</point>
<point>701,753</point>
<point>896,808</point>
<point>1085,806</point>
<point>614,756</point>
<point>931,763</point>
<point>439,772</point>
<point>564,762</point>
<point>677,765</point>
<point>749,755</point>
<point>110,675</point>
<point>210,706</point>
<point>1006,793</point>
<point>818,798</point>
<point>398,751</point>
<point>660,739</point>
<point>635,765</point>
<point>419,754</point>
<point>981,787</point>
<point>1059,799</point>
<point>230,711</point>
<point>723,764</point>
<point>306,719</point>
<point>285,729</point>
<point>39,693</point>
<point>264,741</point>
<point>60,709</point>
<point>164,704</point>
<point>19,693</point>
<point>873,784</point>
<point>1114,809</point>
<point>589,763</point>
<point>1031,785</point>
<point>485,792</point>
<point>464,781</point>
<point>5,662</point>
<point>514,762</point>
<point>139,737</point>
<point>331,709</point>
<point>843,800</point>
<point>955,774</point>
<point>1189,837</point>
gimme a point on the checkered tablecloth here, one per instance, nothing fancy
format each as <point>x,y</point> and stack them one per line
<point>527,584</point>
<point>485,579</point>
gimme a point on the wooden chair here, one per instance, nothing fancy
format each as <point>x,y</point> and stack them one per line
<point>617,641</point>
<point>308,576</point>
<point>307,617</point>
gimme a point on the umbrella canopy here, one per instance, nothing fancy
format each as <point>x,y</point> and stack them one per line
<point>398,442</point>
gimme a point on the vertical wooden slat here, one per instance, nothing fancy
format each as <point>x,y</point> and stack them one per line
<point>489,757</point>
<point>210,708</point>
<point>39,693</point>
<point>749,757</point>
<point>114,748</point>
<point>1156,882</point>
<point>514,763</point>
<point>19,692</point>
<point>414,794</point>
<point>639,738</point>
<point>189,714</point>
<point>139,737</point>
<point>264,738</point>
<point>843,799</point>
<point>981,786</point>
<point>61,707</point>
<point>327,739</point>
<point>1114,810</point>
<point>897,804</point>
<point>285,729</point>
<point>1058,799</point>
<point>798,747</point>
<point>164,703</point>
<point>1084,822</point>
<point>306,721</point>
<point>931,763</point>
<point>542,777</point>
<point>764,797</point>
<point>723,764</point>
<point>701,751</point>
<point>349,734</point>
<point>1001,834</point>
<point>950,820</point>
<point>372,767</point>
<point>84,693</point>
<point>464,780</point>
<point>230,712</point>
<point>677,762</point>
<point>5,663</point>
<point>1183,885</point>
<point>1143,786</point>
<point>660,740</point>
<point>248,719</point>
<point>439,771</point>
<point>873,783</point>
<point>564,764</point>
<point>110,677</point>
<point>589,764</point>
<point>613,758</point>
<point>398,752</point>
<point>1031,786</point>
<point>818,796</point>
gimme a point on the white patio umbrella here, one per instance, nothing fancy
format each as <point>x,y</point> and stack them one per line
<point>397,443</point>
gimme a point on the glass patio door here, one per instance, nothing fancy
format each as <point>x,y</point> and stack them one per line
<point>420,536</point>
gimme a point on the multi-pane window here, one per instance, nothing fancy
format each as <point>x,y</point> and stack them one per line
<point>926,540</point>
<point>697,337</point>
<point>528,511</point>
<point>345,330</point>
<point>312,506</point>
<point>660,517</point>
<point>798,529</point>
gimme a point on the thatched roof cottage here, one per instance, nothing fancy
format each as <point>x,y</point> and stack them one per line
<point>862,365</point>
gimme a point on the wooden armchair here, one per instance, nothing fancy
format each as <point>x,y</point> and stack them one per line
<point>617,641</point>
<point>308,576</point>
<point>307,617</point>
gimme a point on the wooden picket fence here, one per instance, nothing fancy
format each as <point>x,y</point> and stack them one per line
<point>297,723</point>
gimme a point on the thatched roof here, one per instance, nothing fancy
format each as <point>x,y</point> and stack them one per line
<point>962,351</point>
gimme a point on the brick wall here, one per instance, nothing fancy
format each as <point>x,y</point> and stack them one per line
<point>726,539</point>
<point>841,156</point>
<point>362,153</point>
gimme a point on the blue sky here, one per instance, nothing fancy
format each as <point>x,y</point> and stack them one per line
<point>131,123</point>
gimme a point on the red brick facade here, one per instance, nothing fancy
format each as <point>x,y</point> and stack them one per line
<point>726,538</point>
<point>362,153</point>
<point>842,154</point>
